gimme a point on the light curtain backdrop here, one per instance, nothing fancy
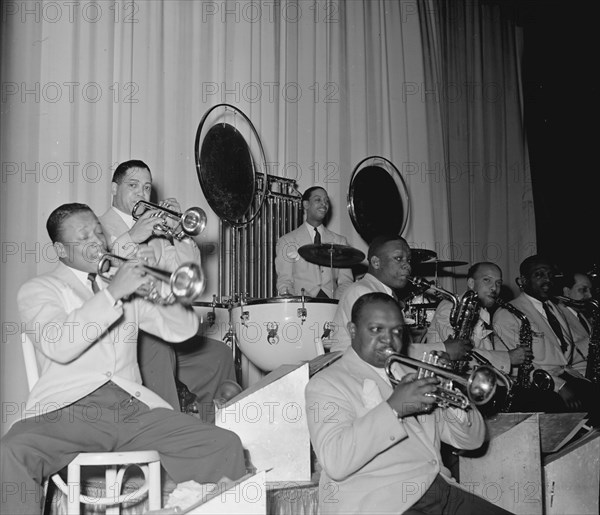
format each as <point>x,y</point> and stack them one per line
<point>86,85</point>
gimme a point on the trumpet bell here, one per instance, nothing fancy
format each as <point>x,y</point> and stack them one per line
<point>193,221</point>
<point>481,385</point>
<point>187,283</point>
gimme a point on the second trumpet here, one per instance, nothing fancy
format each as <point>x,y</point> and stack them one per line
<point>189,223</point>
<point>186,283</point>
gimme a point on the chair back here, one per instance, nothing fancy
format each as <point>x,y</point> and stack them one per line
<point>31,367</point>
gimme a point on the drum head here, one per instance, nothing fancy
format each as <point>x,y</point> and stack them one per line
<point>230,163</point>
<point>378,200</point>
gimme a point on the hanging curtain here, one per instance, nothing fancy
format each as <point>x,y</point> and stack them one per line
<point>475,122</point>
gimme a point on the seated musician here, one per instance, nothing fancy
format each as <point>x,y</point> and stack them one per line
<point>200,364</point>
<point>552,338</point>
<point>388,272</point>
<point>577,292</point>
<point>294,273</point>
<point>379,445</point>
<point>485,279</point>
<point>89,396</point>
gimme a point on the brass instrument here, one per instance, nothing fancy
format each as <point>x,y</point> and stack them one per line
<point>592,370</point>
<point>526,375</point>
<point>479,387</point>
<point>186,283</point>
<point>465,311</point>
<point>463,317</point>
<point>190,223</point>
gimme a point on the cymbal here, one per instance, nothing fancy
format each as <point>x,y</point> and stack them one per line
<point>331,254</point>
<point>420,255</point>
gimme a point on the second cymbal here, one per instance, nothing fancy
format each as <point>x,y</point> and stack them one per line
<point>420,255</point>
<point>331,254</point>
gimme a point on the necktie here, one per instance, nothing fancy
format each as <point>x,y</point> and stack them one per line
<point>317,241</point>
<point>555,324</point>
<point>584,322</point>
<point>92,280</point>
<point>490,335</point>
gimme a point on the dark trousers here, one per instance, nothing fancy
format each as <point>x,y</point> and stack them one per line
<point>203,364</point>
<point>589,395</point>
<point>443,498</point>
<point>158,365</point>
<point>108,420</point>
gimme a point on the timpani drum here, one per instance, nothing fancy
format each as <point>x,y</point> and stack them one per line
<point>214,320</point>
<point>283,330</point>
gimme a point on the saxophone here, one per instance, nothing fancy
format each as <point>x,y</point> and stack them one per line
<point>527,377</point>
<point>463,317</point>
<point>525,340</point>
<point>592,371</point>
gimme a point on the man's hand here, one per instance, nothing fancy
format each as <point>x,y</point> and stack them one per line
<point>567,394</point>
<point>410,395</point>
<point>173,205</point>
<point>145,255</point>
<point>520,355</point>
<point>127,280</point>
<point>458,348</point>
<point>144,226</point>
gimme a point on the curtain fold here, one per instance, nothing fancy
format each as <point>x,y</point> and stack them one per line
<point>475,121</point>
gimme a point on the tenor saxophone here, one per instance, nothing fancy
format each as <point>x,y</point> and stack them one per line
<point>527,375</point>
<point>525,340</point>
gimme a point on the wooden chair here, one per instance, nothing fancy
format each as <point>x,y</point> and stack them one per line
<point>116,464</point>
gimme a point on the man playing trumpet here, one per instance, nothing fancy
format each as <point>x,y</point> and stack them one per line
<point>379,445</point>
<point>201,363</point>
<point>89,396</point>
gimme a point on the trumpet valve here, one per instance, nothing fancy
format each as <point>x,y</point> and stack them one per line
<point>434,358</point>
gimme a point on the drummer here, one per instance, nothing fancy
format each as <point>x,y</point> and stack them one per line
<point>294,273</point>
<point>389,259</point>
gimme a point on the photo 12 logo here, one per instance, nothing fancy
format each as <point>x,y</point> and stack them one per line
<point>70,11</point>
<point>69,92</point>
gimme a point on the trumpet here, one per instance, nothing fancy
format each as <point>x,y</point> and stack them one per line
<point>189,223</point>
<point>186,283</point>
<point>479,387</point>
